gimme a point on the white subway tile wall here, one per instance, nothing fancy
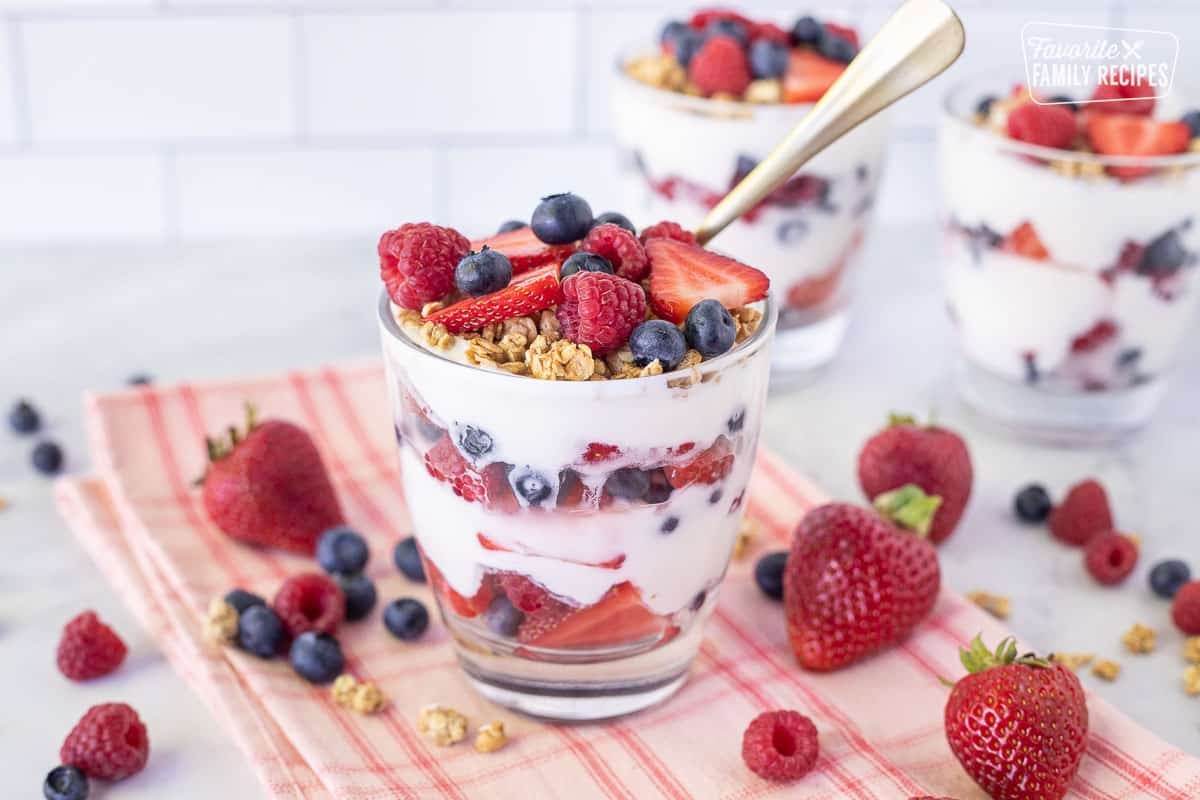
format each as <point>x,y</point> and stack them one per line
<point>168,120</point>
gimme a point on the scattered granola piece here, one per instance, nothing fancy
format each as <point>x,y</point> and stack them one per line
<point>221,624</point>
<point>490,737</point>
<point>442,726</point>
<point>996,605</point>
<point>1073,661</point>
<point>766,90</point>
<point>368,698</point>
<point>1191,680</point>
<point>342,690</point>
<point>1106,670</point>
<point>1191,649</point>
<point>1140,639</point>
<point>747,531</point>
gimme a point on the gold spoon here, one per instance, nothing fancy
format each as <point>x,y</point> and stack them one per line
<point>913,47</point>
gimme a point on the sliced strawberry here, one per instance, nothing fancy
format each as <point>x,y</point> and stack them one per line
<point>809,76</point>
<point>467,607</point>
<point>1048,126</point>
<point>488,543</point>
<point>844,31</point>
<point>709,466</point>
<point>682,275</point>
<point>1094,337</point>
<point>1135,99</point>
<point>1128,135</point>
<point>524,250</point>
<point>1024,241</point>
<point>597,452</point>
<point>618,617</point>
<point>532,292</point>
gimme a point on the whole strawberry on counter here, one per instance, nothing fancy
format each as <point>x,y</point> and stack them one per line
<point>934,458</point>
<point>268,486</point>
<point>856,583</point>
<point>1017,723</point>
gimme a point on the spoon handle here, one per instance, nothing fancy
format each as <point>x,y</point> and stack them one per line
<point>915,45</point>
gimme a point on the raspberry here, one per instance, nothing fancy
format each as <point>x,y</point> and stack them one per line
<point>1048,126</point>
<point>1110,557</point>
<point>600,310</point>
<point>1082,514</point>
<point>109,743</point>
<point>310,602</point>
<point>89,648</point>
<point>417,261</point>
<point>720,66</point>
<point>780,745</point>
<point>771,32</point>
<point>668,230</point>
<point>620,247</point>
<point>1185,610</point>
<point>598,451</point>
<point>525,595</point>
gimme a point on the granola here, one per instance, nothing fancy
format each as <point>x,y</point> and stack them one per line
<point>1140,639</point>
<point>490,737</point>
<point>747,532</point>
<point>996,605</point>
<point>1191,649</point>
<point>1073,661</point>
<point>1106,670</point>
<point>442,726</point>
<point>1191,680</point>
<point>221,623</point>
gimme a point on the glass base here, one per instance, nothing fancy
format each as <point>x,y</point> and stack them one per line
<point>574,703</point>
<point>1073,419</point>
<point>800,353</point>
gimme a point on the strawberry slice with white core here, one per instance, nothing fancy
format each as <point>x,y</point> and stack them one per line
<point>809,75</point>
<point>682,275</point>
<point>531,293</point>
<point>1130,135</point>
<point>524,250</point>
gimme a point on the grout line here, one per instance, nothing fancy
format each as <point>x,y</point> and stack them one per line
<point>170,172</point>
<point>19,82</point>
<point>300,78</point>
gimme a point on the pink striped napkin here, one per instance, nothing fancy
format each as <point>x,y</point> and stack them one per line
<point>880,722</point>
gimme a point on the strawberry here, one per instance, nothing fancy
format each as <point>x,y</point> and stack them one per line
<point>720,66</point>
<point>1095,337</point>
<point>467,607</point>
<point>934,458</point>
<point>1048,126</point>
<point>844,31</point>
<point>268,486</point>
<point>489,487</point>
<point>1128,135</point>
<point>709,466</point>
<point>1116,99</point>
<point>524,250</point>
<point>1082,514</point>
<point>618,617</point>
<point>1024,241</point>
<point>600,310</point>
<point>855,584</point>
<point>1017,724</point>
<point>682,275</point>
<point>701,19</point>
<point>533,292</point>
<point>597,452</point>
<point>667,230</point>
<point>771,32</point>
<point>809,75</point>
<point>417,261</point>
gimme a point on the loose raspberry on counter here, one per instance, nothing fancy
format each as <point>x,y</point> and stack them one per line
<point>109,743</point>
<point>667,230</point>
<point>720,66</point>
<point>1185,610</point>
<point>89,648</point>
<point>780,745</point>
<point>600,310</point>
<point>1082,514</point>
<point>417,261</point>
<point>620,247</point>
<point>1110,558</point>
<point>310,602</point>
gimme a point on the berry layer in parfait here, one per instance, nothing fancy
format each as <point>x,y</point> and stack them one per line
<point>1070,253</point>
<point>577,406</point>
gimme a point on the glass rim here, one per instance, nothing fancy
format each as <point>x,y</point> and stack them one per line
<point>948,113</point>
<point>757,341</point>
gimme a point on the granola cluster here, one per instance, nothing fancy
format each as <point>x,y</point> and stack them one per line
<point>221,622</point>
<point>365,697</point>
<point>446,727</point>
<point>997,605</point>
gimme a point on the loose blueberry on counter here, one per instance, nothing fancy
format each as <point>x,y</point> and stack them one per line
<point>627,483</point>
<point>261,631</point>
<point>727,27</point>
<point>65,783</point>
<point>483,273</point>
<point>807,31</point>
<point>503,617</point>
<point>1168,577</point>
<point>512,225</point>
<point>475,442</point>
<point>47,458</point>
<point>561,218</point>
<point>709,328</point>
<point>736,422</point>
<point>837,48</point>
<point>584,262</point>
<point>359,592</point>
<point>24,418</point>
<point>1032,504</point>
<point>408,560</point>
<point>660,488</point>
<point>317,657</point>
<point>669,524</point>
<point>768,574</point>
<point>615,218</point>
<point>342,549</point>
<point>534,487</point>
<point>406,618</point>
<point>769,59</point>
<point>242,600</point>
<point>657,339</point>
<point>1192,120</point>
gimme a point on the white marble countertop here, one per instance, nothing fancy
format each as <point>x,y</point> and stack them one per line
<point>80,318</point>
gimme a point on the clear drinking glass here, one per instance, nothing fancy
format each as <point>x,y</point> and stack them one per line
<point>514,486</point>
<point>680,154</point>
<point>1070,277</point>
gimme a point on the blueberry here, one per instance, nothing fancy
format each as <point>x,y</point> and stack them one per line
<point>742,167</point>
<point>317,657</point>
<point>483,273</point>
<point>672,31</point>
<point>47,458</point>
<point>984,106</point>
<point>65,783</point>
<point>503,617</point>
<point>615,218</point>
<point>792,230</point>
<point>1167,577</point>
<point>342,549</point>
<point>585,262</point>
<point>716,496</point>
<point>669,525</point>
<point>406,618</point>
<point>709,328</point>
<point>24,418</point>
<point>837,48</point>
<point>769,59</point>
<point>768,574</point>
<point>429,429</point>
<point>727,27</point>
<point>242,600</point>
<point>261,631</point>
<point>475,442</point>
<point>687,44</point>
<point>140,379</point>
<point>561,218</point>
<point>1032,504</point>
<point>660,488</point>
<point>657,339</point>
<point>512,225</point>
<point>699,600</point>
<point>1192,120</point>
<point>807,31</point>
<point>1164,255</point>
<point>1129,357</point>
<point>1065,100</point>
<point>736,422</point>
<point>408,560</point>
<point>532,486</point>
<point>627,483</point>
<point>359,592</point>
